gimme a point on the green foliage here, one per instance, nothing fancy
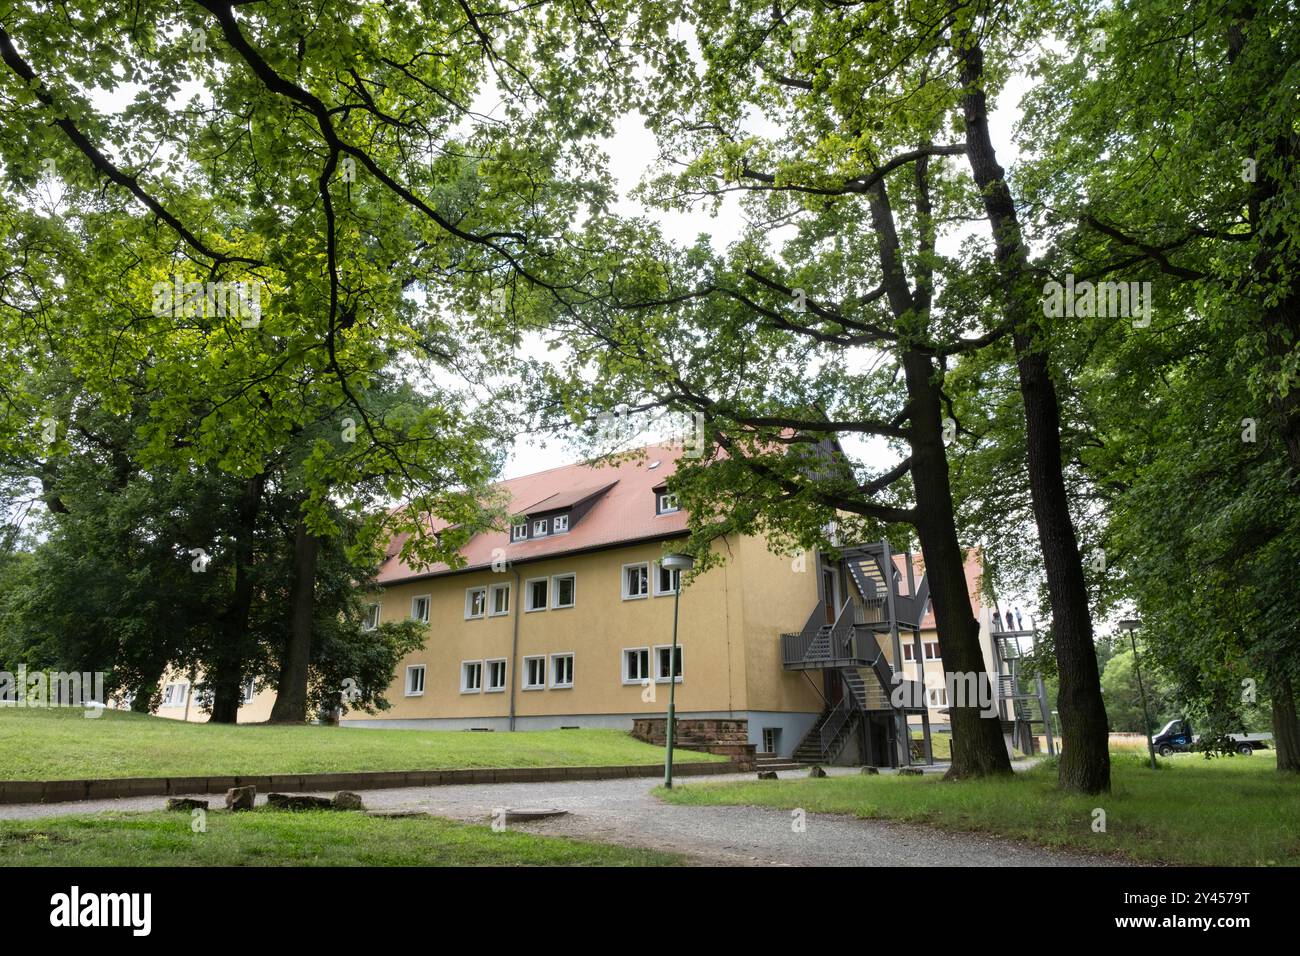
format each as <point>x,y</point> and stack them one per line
<point>1124,699</point>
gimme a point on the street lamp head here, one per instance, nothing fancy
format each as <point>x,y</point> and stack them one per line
<point>677,562</point>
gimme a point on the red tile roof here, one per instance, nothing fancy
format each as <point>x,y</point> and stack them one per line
<point>565,499</point>
<point>623,512</point>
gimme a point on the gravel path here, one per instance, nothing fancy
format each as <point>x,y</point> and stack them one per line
<point>625,812</point>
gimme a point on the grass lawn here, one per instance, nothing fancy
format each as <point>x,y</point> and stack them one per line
<point>940,743</point>
<point>277,838</point>
<point>61,744</point>
<point>1228,811</point>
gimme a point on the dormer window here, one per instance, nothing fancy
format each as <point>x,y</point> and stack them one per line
<point>519,532</point>
<point>560,523</point>
<point>539,528</point>
<point>667,503</point>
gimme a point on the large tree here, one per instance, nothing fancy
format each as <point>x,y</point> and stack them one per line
<point>1166,152</point>
<point>356,202</point>
<point>837,125</point>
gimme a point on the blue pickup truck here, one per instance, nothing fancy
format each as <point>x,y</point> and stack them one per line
<point>1177,737</point>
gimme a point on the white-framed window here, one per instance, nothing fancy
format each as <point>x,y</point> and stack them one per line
<point>519,531</point>
<point>562,669</point>
<point>636,581</point>
<point>415,680</point>
<point>539,528</point>
<point>559,523</point>
<point>498,600</point>
<point>663,655</point>
<point>535,593</point>
<point>930,649</point>
<point>370,621</point>
<point>564,589</point>
<point>174,695</point>
<point>534,673</point>
<point>667,581</point>
<point>475,603</point>
<point>667,503</point>
<point>936,697</point>
<point>250,690</point>
<point>636,665</point>
<point>471,677</point>
<point>496,675</point>
<point>420,608</point>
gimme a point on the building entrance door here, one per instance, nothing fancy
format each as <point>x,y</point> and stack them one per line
<point>828,595</point>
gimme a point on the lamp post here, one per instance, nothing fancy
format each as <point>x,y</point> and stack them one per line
<point>1130,625</point>
<point>675,563</point>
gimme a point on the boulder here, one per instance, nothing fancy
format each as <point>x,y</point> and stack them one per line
<point>241,798</point>
<point>869,772</point>
<point>815,771</point>
<point>186,804</point>
<point>347,800</point>
<point>297,801</point>
<point>768,775</point>
<point>910,771</point>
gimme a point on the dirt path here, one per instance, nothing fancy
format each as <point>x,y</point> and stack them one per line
<point>624,812</point>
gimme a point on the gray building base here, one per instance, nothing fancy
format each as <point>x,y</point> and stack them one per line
<point>790,729</point>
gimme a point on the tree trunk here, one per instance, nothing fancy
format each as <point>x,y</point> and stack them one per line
<point>1286,728</point>
<point>1085,757</point>
<point>1085,750</point>
<point>143,696</point>
<point>291,691</point>
<point>977,745</point>
<point>226,676</point>
<point>978,748</point>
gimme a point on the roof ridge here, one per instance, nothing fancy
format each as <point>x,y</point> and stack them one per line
<point>580,462</point>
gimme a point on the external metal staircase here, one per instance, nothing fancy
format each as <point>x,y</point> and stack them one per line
<point>1023,703</point>
<point>854,655</point>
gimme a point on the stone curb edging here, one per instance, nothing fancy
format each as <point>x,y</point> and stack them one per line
<point>61,791</point>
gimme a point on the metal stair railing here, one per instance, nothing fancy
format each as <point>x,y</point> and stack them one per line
<point>836,721</point>
<point>795,647</point>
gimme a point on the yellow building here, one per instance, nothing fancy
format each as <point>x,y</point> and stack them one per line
<point>180,702</point>
<point>566,620</point>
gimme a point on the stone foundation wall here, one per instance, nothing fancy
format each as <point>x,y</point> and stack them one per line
<point>726,736</point>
